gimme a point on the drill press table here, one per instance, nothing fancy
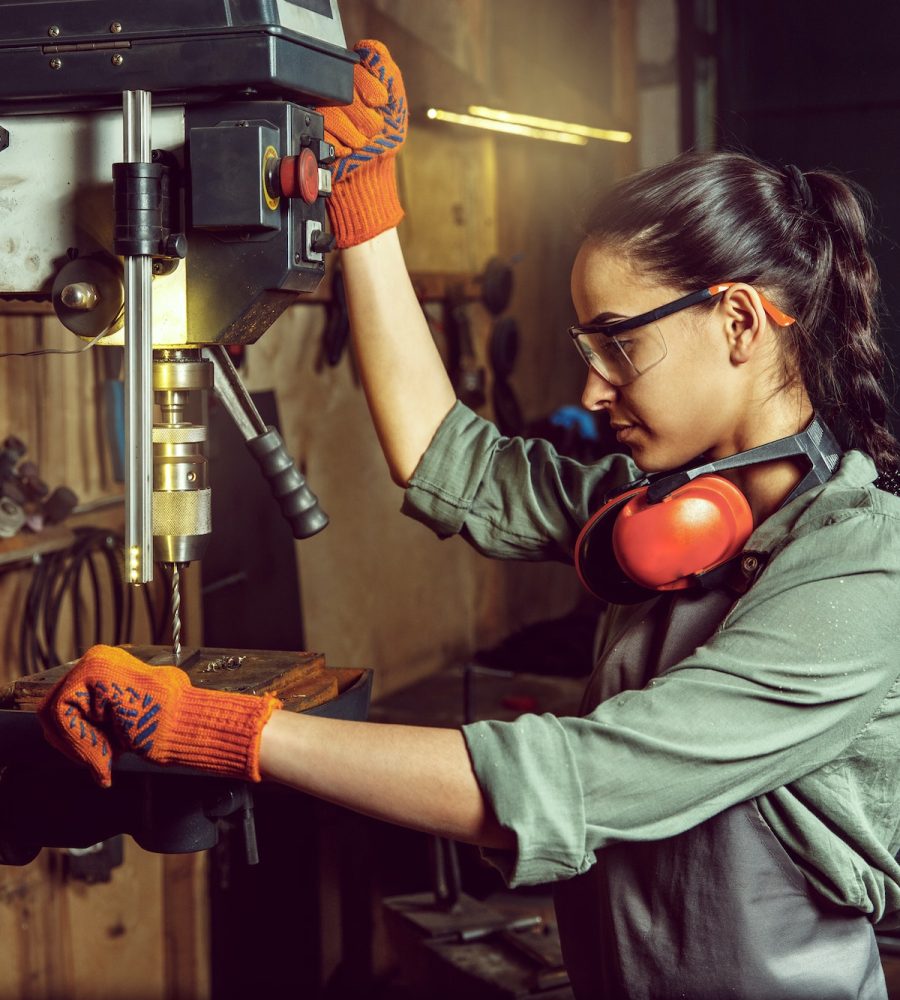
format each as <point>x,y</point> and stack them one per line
<point>48,801</point>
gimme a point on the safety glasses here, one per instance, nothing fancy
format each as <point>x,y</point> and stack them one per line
<point>621,359</point>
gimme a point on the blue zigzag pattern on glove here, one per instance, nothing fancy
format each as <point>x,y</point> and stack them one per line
<point>136,713</point>
<point>86,731</point>
<point>395,114</point>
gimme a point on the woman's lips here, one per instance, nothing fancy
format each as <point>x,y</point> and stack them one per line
<point>624,431</point>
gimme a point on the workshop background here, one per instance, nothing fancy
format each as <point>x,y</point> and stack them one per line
<point>813,83</point>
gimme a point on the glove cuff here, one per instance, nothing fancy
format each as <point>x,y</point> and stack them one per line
<point>216,731</point>
<point>365,203</point>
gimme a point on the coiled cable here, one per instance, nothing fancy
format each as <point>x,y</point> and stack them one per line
<point>87,579</point>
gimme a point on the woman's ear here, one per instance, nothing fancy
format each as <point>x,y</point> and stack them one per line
<point>745,322</point>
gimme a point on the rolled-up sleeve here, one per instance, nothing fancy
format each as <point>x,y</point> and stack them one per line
<point>512,498</point>
<point>796,672</point>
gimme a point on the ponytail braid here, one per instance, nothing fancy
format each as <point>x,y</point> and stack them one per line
<point>844,374</point>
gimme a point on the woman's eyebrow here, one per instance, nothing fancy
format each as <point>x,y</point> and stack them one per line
<point>605,317</point>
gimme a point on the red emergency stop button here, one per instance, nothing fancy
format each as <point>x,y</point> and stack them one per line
<point>299,176</point>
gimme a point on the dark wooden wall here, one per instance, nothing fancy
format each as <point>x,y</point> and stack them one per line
<point>377,589</point>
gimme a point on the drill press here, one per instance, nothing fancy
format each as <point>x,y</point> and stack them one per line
<point>163,178</point>
<point>168,179</point>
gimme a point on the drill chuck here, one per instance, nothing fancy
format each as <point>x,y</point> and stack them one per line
<point>182,520</point>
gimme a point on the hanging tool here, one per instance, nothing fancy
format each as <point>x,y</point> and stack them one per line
<point>466,374</point>
<point>337,322</point>
<point>502,351</point>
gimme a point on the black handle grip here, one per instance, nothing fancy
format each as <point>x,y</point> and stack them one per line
<point>298,503</point>
<point>249,826</point>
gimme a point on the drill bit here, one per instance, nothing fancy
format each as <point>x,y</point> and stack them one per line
<point>176,614</point>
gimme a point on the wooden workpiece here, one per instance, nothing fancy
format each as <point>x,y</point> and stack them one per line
<point>301,680</point>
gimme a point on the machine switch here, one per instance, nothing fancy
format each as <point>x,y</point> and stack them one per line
<point>312,233</point>
<point>299,176</point>
<point>322,242</point>
<point>325,152</point>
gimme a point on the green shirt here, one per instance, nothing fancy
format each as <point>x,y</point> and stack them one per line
<point>793,702</point>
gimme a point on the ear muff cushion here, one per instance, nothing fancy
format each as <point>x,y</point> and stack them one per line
<point>596,563</point>
<point>695,528</point>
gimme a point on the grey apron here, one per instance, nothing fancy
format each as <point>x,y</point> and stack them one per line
<point>718,912</point>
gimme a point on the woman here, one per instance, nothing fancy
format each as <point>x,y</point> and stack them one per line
<point>721,821</point>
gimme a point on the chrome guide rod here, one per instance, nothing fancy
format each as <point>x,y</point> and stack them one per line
<point>138,368</point>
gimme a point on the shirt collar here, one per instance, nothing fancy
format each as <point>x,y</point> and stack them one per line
<point>855,470</point>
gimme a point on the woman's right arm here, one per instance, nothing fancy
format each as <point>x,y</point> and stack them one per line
<point>406,385</point>
<point>403,375</point>
<point>512,498</point>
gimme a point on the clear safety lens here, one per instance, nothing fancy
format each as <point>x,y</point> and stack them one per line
<point>621,359</point>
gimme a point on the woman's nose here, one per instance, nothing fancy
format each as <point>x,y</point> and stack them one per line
<point>598,393</point>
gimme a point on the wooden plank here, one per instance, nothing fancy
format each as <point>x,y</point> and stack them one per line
<point>115,931</point>
<point>52,404</point>
<point>624,92</point>
<point>186,926</point>
<point>30,966</point>
<point>13,588</point>
<point>301,679</point>
<point>24,546</point>
<point>143,934</point>
<point>258,672</point>
<point>21,307</point>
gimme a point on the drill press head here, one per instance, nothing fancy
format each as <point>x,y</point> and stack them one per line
<point>220,189</point>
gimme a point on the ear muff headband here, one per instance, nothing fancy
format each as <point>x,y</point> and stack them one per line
<point>667,531</point>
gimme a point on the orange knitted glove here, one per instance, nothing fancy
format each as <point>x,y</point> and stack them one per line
<point>366,136</point>
<point>111,703</point>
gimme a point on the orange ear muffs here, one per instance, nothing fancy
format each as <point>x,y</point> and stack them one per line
<point>595,561</point>
<point>631,548</point>
<point>695,528</point>
<point>670,530</point>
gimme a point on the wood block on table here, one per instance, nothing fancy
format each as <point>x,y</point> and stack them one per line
<point>300,679</point>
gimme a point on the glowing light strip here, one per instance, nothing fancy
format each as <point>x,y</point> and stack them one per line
<point>568,128</point>
<point>509,127</point>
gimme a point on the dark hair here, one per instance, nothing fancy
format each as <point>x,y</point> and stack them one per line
<point>723,216</point>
